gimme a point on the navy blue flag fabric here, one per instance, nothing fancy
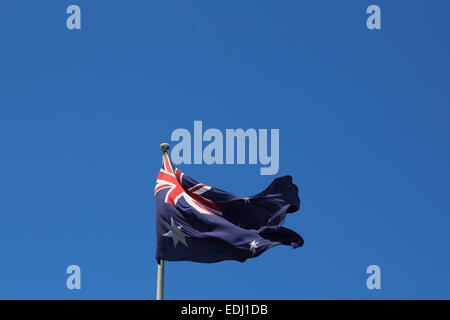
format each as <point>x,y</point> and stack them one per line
<point>197,222</point>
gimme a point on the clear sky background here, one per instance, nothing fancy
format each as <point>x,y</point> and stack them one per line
<point>363,118</point>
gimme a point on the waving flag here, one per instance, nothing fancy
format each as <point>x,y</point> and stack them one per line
<point>197,222</point>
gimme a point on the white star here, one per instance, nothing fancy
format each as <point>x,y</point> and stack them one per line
<point>176,234</point>
<point>253,246</point>
<point>246,200</point>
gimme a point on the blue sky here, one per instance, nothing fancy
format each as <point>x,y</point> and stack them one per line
<point>363,118</point>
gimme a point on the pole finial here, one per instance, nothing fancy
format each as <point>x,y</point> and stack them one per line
<point>164,147</point>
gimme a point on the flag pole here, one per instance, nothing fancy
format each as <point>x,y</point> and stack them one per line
<point>160,281</point>
<point>160,276</point>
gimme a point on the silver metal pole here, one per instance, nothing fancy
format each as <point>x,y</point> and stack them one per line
<point>160,281</point>
<point>160,277</point>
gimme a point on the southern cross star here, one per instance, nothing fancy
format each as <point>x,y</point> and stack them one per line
<point>253,246</point>
<point>176,234</point>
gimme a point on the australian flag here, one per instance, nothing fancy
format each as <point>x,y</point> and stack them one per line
<point>197,222</point>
